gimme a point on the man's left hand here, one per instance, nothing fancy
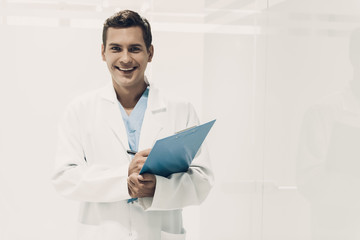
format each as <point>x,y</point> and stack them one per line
<point>140,186</point>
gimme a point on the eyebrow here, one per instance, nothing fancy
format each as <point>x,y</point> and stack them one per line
<point>119,45</point>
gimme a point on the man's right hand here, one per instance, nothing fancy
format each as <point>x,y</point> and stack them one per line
<point>138,161</point>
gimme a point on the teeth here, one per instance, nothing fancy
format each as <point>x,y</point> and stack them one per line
<point>126,69</point>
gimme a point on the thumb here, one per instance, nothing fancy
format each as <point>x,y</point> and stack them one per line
<point>146,177</point>
<point>140,178</point>
<point>145,152</point>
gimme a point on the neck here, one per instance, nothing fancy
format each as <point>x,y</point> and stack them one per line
<point>129,96</point>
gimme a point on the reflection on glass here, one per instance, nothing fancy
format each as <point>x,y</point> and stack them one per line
<point>328,168</point>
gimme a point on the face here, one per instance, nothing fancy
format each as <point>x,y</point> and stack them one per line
<point>126,56</point>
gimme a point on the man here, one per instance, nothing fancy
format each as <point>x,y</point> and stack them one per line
<point>92,163</point>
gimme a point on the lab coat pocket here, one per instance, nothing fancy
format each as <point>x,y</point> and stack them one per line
<point>172,236</point>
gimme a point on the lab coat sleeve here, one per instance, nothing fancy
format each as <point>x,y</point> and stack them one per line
<point>183,189</point>
<point>77,179</point>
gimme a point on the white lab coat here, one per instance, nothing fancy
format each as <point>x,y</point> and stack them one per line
<point>92,167</point>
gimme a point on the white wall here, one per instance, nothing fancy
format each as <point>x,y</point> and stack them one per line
<point>42,70</point>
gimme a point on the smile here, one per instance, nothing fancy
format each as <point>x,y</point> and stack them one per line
<point>127,70</point>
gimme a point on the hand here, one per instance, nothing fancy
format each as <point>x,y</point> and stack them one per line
<point>140,186</point>
<point>138,161</point>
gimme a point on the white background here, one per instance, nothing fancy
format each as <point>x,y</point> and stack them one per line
<point>257,66</point>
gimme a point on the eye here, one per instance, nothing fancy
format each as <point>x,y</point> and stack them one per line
<point>135,49</point>
<point>115,49</point>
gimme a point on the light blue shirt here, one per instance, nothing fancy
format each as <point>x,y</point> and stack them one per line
<point>133,122</point>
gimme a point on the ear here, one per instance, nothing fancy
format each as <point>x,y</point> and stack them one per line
<point>151,53</point>
<point>103,52</point>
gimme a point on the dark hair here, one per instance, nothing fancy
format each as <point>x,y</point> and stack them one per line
<point>125,19</point>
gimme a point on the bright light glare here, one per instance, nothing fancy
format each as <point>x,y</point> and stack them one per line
<point>86,23</point>
<point>32,21</point>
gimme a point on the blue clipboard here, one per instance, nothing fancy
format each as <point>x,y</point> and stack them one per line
<point>175,153</point>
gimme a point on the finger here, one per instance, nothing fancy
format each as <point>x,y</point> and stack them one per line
<point>132,179</point>
<point>141,178</point>
<point>130,189</point>
<point>138,161</point>
<point>139,158</point>
<point>130,183</point>
<point>146,177</point>
<point>144,153</point>
<point>134,187</point>
<point>132,192</point>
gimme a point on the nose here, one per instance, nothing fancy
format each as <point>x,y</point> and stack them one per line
<point>125,57</point>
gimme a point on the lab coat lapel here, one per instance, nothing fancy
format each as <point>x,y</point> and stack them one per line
<point>151,126</point>
<point>111,113</point>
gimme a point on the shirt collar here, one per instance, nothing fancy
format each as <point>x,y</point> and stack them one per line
<point>155,101</point>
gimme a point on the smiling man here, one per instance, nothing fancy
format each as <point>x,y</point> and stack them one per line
<point>98,130</point>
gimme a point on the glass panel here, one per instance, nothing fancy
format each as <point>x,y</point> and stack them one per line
<point>312,120</point>
<point>233,91</point>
